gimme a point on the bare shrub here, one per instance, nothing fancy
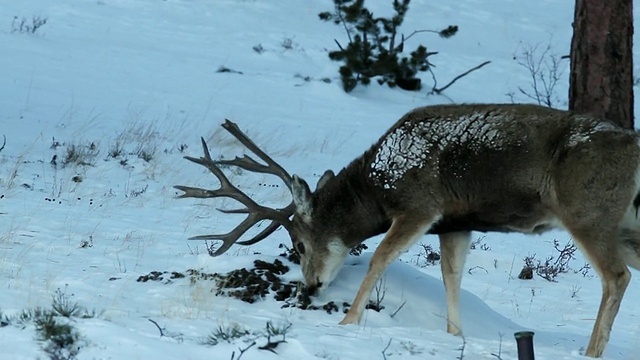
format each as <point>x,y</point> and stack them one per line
<point>116,149</point>
<point>545,72</point>
<point>552,266</point>
<point>480,244</point>
<point>381,291</point>
<point>428,255</point>
<point>77,154</point>
<point>146,153</point>
<point>24,26</point>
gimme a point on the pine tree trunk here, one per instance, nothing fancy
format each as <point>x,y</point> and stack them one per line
<point>601,79</point>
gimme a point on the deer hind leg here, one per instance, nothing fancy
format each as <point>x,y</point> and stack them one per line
<point>404,232</point>
<point>630,247</point>
<point>453,248</point>
<point>602,250</point>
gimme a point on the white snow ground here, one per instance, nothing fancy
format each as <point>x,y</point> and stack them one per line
<point>142,74</point>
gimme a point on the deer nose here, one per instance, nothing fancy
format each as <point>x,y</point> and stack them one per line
<point>313,289</point>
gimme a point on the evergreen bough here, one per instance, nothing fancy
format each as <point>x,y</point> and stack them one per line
<point>373,51</point>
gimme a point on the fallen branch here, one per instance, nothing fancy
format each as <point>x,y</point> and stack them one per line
<point>439,90</point>
<point>399,308</point>
<point>499,354</point>
<point>464,345</point>
<point>233,354</point>
<point>384,356</point>
<point>470,271</point>
<point>158,326</point>
<point>3,143</point>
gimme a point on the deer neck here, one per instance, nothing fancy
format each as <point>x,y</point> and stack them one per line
<point>347,204</point>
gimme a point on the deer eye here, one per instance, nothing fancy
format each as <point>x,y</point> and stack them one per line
<point>300,248</point>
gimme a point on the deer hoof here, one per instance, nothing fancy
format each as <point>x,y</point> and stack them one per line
<point>349,319</point>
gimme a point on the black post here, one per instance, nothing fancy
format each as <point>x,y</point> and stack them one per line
<point>524,339</point>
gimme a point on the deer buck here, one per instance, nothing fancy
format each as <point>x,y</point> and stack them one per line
<point>450,170</point>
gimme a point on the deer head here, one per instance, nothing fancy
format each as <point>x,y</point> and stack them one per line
<point>321,255</point>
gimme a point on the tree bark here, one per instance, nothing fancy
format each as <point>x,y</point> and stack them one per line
<point>601,78</point>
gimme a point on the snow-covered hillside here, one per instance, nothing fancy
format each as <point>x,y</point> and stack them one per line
<point>131,85</point>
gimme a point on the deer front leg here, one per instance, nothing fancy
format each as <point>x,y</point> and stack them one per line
<point>453,250</point>
<point>404,232</point>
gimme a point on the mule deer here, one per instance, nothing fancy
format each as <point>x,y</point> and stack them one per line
<point>449,170</point>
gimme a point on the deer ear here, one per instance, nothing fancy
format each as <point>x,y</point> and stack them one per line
<point>328,175</point>
<point>302,197</point>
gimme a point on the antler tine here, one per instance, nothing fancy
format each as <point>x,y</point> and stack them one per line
<point>248,163</point>
<point>273,226</point>
<point>232,236</point>
<point>255,212</point>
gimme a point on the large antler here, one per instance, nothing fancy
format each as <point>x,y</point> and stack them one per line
<point>256,212</point>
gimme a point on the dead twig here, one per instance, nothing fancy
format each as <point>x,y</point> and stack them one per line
<point>439,90</point>
<point>3,142</point>
<point>233,354</point>
<point>470,271</point>
<point>464,339</point>
<point>399,308</point>
<point>273,331</point>
<point>158,326</point>
<point>404,39</point>
<point>499,354</point>
<point>384,356</point>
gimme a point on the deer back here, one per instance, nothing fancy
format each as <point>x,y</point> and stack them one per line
<point>482,167</point>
